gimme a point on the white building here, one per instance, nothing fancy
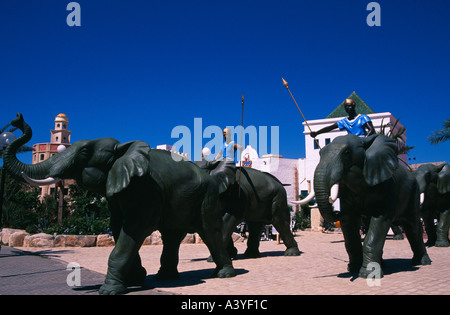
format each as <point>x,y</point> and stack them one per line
<point>283,169</point>
<point>299,173</point>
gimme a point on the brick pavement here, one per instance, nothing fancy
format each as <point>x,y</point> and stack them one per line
<point>26,273</point>
<point>321,269</point>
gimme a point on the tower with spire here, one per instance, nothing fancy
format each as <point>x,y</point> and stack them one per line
<point>60,135</point>
<point>59,138</point>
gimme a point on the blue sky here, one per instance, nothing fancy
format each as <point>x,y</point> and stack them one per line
<point>134,70</point>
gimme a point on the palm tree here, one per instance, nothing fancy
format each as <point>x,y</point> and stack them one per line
<point>397,136</point>
<point>440,135</point>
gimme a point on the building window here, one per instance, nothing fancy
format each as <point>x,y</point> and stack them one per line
<point>327,141</point>
<point>304,193</point>
<point>42,157</point>
<point>316,146</point>
<point>57,125</point>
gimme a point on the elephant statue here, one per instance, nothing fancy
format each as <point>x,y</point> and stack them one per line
<point>434,186</point>
<point>146,190</point>
<point>371,184</point>
<point>258,198</point>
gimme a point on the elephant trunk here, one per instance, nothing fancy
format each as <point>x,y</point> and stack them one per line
<point>443,181</point>
<point>16,167</point>
<point>322,188</point>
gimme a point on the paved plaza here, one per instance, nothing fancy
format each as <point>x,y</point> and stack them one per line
<point>320,269</point>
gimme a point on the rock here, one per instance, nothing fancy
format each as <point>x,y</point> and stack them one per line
<point>66,241</point>
<point>6,233</point>
<point>87,240</point>
<point>16,238</point>
<point>189,239</point>
<point>39,240</point>
<point>75,240</point>
<point>198,239</point>
<point>153,239</point>
<point>105,240</point>
<point>237,238</point>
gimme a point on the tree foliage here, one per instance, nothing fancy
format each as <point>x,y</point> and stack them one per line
<point>84,212</point>
<point>440,135</point>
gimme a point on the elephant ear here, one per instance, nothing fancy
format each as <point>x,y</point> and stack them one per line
<point>381,159</point>
<point>443,181</point>
<point>224,172</point>
<point>133,161</point>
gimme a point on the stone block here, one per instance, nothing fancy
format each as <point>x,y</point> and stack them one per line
<point>198,239</point>
<point>189,239</point>
<point>87,240</point>
<point>16,238</point>
<point>39,240</point>
<point>6,233</point>
<point>105,240</point>
<point>237,238</point>
<point>66,241</point>
<point>153,239</point>
<point>75,240</point>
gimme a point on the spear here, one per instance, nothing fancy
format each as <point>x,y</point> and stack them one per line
<point>240,158</point>
<point>287,87</point>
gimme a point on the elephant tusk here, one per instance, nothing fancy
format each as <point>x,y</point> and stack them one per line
<point>334,192</point>
<point>422,198</point>
<point>39,182</point>
<point>304,201</point>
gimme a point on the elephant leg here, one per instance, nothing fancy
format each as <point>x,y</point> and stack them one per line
<point>131,222</point>
<point>350,226</point>
<point>398,234</point>
<point>254,232</point>
<point>231,249</point>
<point>230,223</point>
<point>282,225</point>
<point>124,264</point>
<point>116,222</point>
<point>169,257</point>
<point>211,233</point>
<point>442,229</point>
<point>213,240</point>
<point>430,227</point>
<point>414,234</point>
<point>373,245</point>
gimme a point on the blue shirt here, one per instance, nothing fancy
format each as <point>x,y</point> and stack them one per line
<point>228,151</point>
<point>355,126</point>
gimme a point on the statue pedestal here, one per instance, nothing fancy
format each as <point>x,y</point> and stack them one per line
<point>315,219</point>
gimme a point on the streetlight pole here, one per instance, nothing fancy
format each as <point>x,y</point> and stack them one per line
<point>2,191</point>
<point>5,139</point>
